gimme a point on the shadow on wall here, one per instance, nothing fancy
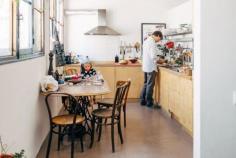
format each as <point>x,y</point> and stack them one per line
<point>175,3</point>
<point>42,120</point>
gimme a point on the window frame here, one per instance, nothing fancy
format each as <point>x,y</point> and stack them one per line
<point>13,56</point>
<point>56,23</point>
<point>24,54</point>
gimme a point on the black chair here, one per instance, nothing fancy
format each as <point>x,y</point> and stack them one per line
<point>110,113</point>
<point>104,103</point>
<point>70,124</point>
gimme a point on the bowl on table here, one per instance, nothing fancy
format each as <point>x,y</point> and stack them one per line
<point>75,81</point>
<point>133,60</point>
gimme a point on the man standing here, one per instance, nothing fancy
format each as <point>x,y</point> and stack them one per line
<point>149,67</point>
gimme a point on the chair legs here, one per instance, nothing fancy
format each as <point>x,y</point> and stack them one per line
<point>49,144</point>
<point>124,110</point>
<point>100,129</point>
<point>59,138</point>
<point>72,142</point>
<point>120,132</point>
<point>100,132</point>
<point>112,138</point>
<point>81,143</point>
<point>93,131</point>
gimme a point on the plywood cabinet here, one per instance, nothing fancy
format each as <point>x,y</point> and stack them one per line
<point>163,90</point>
<point>108,74</point>
<point>134,74</point>
<point>176,97</point>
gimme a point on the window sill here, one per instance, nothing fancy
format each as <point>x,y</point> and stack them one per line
<point>9,60</point>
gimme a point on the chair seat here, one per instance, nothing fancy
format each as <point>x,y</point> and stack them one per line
<point>106,103</point>
<point>103,113</point>
<point>67,119</point>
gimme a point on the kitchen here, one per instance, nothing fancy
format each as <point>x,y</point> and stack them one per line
<point>115,51</point>
<point>50,60</point>
<point>174,88</point>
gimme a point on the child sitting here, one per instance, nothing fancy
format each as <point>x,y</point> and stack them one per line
<point>87,71</point>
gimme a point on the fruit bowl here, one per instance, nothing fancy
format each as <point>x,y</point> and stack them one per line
<point>133,60</point>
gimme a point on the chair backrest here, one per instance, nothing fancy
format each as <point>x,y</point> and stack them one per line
<point>72,101</point>
<point>121,91</point>
<point>127,91</point>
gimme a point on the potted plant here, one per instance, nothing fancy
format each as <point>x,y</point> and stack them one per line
<point>4,154</point>
<point>21,154</point>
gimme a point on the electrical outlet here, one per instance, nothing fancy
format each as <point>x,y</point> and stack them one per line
<point>234,97</point>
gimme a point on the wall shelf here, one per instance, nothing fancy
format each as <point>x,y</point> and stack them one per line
<point>190,39</point>
<point>179,34</point>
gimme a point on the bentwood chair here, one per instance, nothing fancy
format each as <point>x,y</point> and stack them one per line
<point>110,113</point>
<point>109,104</point>
<point>70,124</point>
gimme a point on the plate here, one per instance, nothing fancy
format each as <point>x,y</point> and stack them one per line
<point>97,83</point>
<point>75,81</point>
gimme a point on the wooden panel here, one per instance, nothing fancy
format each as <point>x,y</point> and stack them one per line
<point>157,88</point>
<point>109,75</point>
<point>164,96</point>
<point>176,96</point>
<point>135,74</point>
<point>187,119</point>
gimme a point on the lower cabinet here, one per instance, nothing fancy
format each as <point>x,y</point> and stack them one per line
<point>112,74</point>
<point>108,74</point>
<point>176,97</point>
<point>134,74</point>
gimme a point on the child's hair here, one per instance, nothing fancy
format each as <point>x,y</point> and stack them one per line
<point>82,66</point>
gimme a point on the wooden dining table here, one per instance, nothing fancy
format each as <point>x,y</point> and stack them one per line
<point>86,88</point>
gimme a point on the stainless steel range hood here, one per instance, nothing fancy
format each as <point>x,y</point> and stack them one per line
<point>102,28</point>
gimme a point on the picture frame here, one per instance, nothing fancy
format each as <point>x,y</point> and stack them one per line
<point>148,28</point>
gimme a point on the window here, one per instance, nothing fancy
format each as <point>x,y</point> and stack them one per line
<point>59,19</point>
<point>21,28</point>
<point>56,21</point>
<point>25,18</point>
<point>30,26</point>
<point>5,28</point>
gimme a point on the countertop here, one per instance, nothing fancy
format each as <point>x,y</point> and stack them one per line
<point>176,73</point>
<point>111,64</point>
<point>137,64</point>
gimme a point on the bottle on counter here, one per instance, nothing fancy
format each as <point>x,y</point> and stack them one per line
<point>116,59</point>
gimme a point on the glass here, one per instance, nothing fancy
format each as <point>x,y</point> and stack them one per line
<point>25,27</point>
<point>5,27</point>
<point>38,26</point>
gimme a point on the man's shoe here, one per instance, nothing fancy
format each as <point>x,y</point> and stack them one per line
<point>143,103</point>
<point>150,105</point>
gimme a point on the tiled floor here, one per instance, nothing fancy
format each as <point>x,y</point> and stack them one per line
<point>149,134</point>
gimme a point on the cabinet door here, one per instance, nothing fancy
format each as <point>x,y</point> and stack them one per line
<point>134,74</point>
<point>187,117</point>
<point>108,74</point>
<point>164,91</point>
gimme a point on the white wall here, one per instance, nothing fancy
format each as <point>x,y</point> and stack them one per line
<point>124,16</point>
<point>216,41</point>
<point>181,14</point>
<point>23,116</point>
